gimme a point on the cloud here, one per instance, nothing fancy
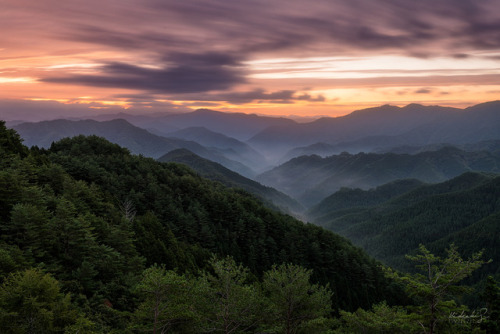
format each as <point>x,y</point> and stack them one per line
<point>423,91</point>
<point>258,26</point>
<point>308,97</point>
<point>200,50</point>
<point>460,56</point>
<point>257,95</point>
<point>183,73</point>
<point>285,96</point>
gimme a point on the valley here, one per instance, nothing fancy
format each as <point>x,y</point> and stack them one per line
<point>386,181</point>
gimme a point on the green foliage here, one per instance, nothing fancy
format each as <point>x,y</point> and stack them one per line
<point>31,302</point>
<point>11,259</point>
<point>91,215</point>
<point>228,299</point>
<point>167,301</point>
<point>464,211</point>
<point>66,214</point>
<point>491,295</point>
<point>228,302</point>
<point>435,289</point>
<point>10,143</point>
<point>216,172</point>
<point>157,243</point>
<point>382,319</point>
<point>294,300</point>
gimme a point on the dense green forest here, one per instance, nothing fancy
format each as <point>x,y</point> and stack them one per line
<point>216,172</point>
<point>392,220</point>
<point>97,240</point>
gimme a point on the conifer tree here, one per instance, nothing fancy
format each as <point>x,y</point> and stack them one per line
<point>436,288</point>
<point>492,297</point>
<point>294,299</point>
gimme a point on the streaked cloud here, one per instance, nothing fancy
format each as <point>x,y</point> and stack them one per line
<point>369,67</point>
<point>4,80</point>
<point>237,54</point>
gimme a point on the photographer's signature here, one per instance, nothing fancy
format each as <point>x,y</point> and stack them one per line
<point>475,317</point>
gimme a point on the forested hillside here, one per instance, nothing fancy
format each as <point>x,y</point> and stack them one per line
<point>464,210</point>
<point>216,172</point>
<point>86,218</point>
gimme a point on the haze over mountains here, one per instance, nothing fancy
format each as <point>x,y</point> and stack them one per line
<point>119,131</point>
<point>237,125</point>
<point>381,127</point>
<point>251,145</point>
<point>311,178</point>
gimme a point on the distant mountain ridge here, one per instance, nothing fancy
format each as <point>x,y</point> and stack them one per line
<point>237,125</point>
<point>119,131</point>
<point>386,145</point>
<point>349,198</point>
<point>386,126</point>
<point>309,179</point>
<point>247,143</point>
<point>231,147</point>
<point>366,130</point>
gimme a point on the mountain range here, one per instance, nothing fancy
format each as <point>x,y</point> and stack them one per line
<point>237,125</point>
<point>94,217</point>
<point>309,179</point>
<point>392,220</point>
<point>362,130</point>
<point>253,146</point>
<point>119,131</point>
<point>387,126</point>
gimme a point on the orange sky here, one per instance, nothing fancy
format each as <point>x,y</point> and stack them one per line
<point>292,57</point>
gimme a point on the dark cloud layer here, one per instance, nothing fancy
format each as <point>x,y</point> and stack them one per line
<point>423,91</point>
<point>183,73</point>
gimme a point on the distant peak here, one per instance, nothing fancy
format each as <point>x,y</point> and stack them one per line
<point>206,111</point>
<point>413,106</point>
<point>486,105</point>
<point>383,108</point>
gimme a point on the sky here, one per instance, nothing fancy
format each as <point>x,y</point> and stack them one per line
<point>275,57</point>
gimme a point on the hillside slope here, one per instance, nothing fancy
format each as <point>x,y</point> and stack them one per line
<point>216,172</point>
<point>464,210</point>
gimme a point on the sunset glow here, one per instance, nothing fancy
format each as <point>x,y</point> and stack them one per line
<point>279,58</point>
